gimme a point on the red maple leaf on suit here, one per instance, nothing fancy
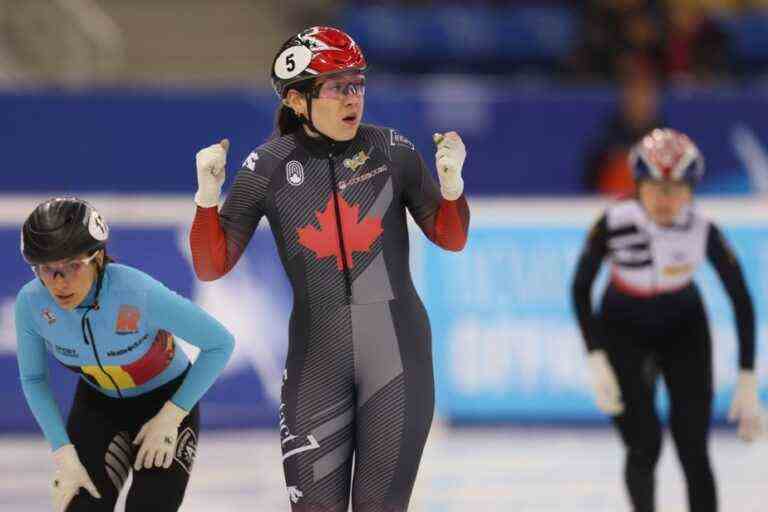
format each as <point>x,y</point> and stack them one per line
<point>358,235</point>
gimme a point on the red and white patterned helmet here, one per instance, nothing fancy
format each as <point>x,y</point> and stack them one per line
<point>315,52</point>
<point>666,155</point>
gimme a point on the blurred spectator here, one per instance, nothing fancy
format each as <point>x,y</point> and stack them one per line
<point>696,48</point>
<point>614,28</point>
<point>606,168</point>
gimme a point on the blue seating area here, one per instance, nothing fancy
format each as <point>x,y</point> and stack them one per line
<point>503,39</point>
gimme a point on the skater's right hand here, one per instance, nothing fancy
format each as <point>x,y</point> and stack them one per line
<point>211,171</point>
<point>69,477</point>
<point>604,384</point>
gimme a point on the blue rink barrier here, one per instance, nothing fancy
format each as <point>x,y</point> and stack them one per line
<point>520,140</point>
<point>505,342</point>
<point>507,347</point>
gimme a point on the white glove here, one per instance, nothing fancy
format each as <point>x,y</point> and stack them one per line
<point>604,383</point>
<point>449,158</point>
<point>158,437</point>
<point>745,407</point>
<point>69,477</point>
<point>211,163</point>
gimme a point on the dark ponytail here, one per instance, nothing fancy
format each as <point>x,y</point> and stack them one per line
<point>286,121</point>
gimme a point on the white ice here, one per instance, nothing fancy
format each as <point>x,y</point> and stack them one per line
<point>532,469</point>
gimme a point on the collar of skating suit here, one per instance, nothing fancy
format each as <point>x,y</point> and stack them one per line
<point>321,147</point>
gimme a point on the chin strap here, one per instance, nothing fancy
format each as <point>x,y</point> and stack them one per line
<point>309,95</point>
<point>307,120</point>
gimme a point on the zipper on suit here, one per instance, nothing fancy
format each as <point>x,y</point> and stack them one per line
<point>85,325</point>
<point>339,228</point>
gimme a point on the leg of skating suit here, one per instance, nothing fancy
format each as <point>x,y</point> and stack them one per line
<point>395,402</point>
<point>104,450</point>
<point>687,369</point>
<point>363,385</point>
<point>640,428</point>
<point>317,411</point>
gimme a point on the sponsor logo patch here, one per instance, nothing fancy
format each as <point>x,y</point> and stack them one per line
<point>127,319</point>
<point>395,139</point>
<point>66,351</point>
<point>48,316</point>
<point>362,177</point>
<point>294,494</point>
<point>186,449</point>
<point>356,161</point>
<point>250,162</point>
<point>113,353</point>
<point>677,270</point>
<point>294,173</point>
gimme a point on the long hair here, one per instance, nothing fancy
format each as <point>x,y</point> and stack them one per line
<point>286,120</point>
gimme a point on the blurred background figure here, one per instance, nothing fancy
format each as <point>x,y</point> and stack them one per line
<point>607,169</point>
<point>614,29</point>
<point>696,48</point>
<point>652,321</point>
<point>547,95</point>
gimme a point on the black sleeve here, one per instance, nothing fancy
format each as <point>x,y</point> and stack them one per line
<point>724,260</point>
<point>421,192</point>
<point>243,207</point>
<point>595,249</point>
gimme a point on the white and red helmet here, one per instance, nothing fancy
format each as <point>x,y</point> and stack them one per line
<point>666,155</point>
<point>312,53</point>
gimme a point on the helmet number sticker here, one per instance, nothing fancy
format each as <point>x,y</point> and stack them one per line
<point>97,227</point>
<point>292,62</point>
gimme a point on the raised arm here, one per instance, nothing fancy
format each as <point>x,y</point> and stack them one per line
<point>442,211</point>
<point>218,239</point>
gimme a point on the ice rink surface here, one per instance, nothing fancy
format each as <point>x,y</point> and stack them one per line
<point>530,469</point>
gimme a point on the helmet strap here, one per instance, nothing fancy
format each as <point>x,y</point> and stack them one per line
<point>309,95</point>
<point>99,281</point>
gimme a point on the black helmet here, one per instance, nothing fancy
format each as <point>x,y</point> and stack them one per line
<point>62,228</point>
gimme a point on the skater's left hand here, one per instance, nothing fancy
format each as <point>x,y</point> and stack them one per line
<point>450,157</point>
<point>158,437</point>
<point>745,407</point>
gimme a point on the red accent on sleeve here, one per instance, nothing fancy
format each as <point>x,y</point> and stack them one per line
<point>208,243</point>
<point>451,224</point>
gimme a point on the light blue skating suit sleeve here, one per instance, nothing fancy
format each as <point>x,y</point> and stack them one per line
<point>33,372</point>
<point>176,314</point>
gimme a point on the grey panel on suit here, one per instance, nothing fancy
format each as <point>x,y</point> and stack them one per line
<point>376,350</point>
<point>373,284</point>
<point>380,206</point>
<point>326,464</point>
<point>333,425</point>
